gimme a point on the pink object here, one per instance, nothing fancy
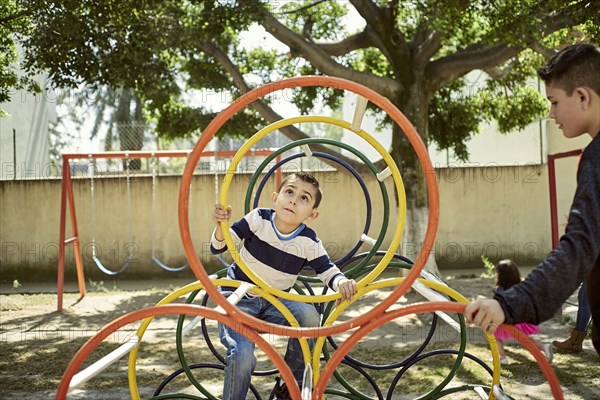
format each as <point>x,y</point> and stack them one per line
<point>523,327</point>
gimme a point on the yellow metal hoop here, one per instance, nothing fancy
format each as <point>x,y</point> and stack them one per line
<point>132,363</point>
<point>395,243</point>
<point>317,351</point>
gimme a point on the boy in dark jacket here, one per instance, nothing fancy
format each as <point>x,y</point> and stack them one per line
<point>572,79</point>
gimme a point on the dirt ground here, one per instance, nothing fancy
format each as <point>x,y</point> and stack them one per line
<point>37,343</point>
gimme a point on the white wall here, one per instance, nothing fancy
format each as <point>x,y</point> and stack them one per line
<point>28,115</point>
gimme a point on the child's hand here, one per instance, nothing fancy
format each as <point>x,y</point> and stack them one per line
<point>221,214</point>
<point>486,314</point>
<point>347,288</point>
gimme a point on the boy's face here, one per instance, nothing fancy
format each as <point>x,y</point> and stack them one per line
<point>567,111</point>
<point>294,203</point>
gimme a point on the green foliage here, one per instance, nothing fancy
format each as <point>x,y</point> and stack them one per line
<point>373,61</point>
<point>453,117</point>
<point>321,19</point>
<point>490,268</point>
<point>564,320</point>
<point>182,122</point>
<point>163,49</point>
<point>203,73</point>
<point>97,286</point>
<point>14,23</point>
<point>328,131</point>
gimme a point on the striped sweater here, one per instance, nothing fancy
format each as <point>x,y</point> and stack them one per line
<point>276,258</point>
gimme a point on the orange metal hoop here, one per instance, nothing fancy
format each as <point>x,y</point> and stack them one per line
<point>172,309</point>
<point>240,103</point>
<point>252,327</point>
<point>418,308</point>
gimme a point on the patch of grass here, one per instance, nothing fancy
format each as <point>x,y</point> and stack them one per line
<point>564,319</point>
<point>36,360</point>
<point>97,286</point>
<point>40,363</point>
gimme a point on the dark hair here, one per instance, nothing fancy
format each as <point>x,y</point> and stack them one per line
<point>574,66</point>
<point>308,178</point>
<point>507,274</point>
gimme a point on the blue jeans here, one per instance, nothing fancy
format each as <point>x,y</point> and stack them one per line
<point>583,310</point>
<point>240,360</point>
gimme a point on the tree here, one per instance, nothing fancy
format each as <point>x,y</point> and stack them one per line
<point>416,53</point>
<point>13,22</point>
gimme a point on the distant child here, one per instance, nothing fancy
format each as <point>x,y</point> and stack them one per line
<point>507,275</point>
<point>277,245</point>
<point>572,80</point>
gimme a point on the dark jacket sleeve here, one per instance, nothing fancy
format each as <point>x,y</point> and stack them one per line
<point>542,293</point>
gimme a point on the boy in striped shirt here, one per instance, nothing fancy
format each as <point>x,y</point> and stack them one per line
<point>276,245</point>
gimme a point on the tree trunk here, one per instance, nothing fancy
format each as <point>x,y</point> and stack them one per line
<point>415,107</point>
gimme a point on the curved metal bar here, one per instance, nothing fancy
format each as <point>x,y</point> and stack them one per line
<point>455,366</point>
<point>192,367</point>
<point>181,355</point>
<point>179,336</point>
<point>321,155</point>
<point>307,81</point>
<point>354,393</point>
<point>431,394</point>
<point>167,268</point>
<point>171,309</point>
<point>351,360</point>
<point>107,271</point>
<point>387,316</point>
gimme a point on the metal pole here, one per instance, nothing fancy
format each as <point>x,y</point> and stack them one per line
<point>14,154</point>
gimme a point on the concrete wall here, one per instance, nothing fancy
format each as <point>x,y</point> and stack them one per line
<point>125,227</point>
<point>504,211</point>
<point>500,211</point>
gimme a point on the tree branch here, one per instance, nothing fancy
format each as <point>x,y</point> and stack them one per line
<point>306,7</point>
<point>426,49</point>
<point>390,40</point>
<point>263,108</point>
<point>451,67</point>
<point>361,40</point>
<point>500,73</point>
<point>543,50</point>
<point>446,69</point>
<point>323,62</point>
<point>427,41</point>
<point>370,11</point>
